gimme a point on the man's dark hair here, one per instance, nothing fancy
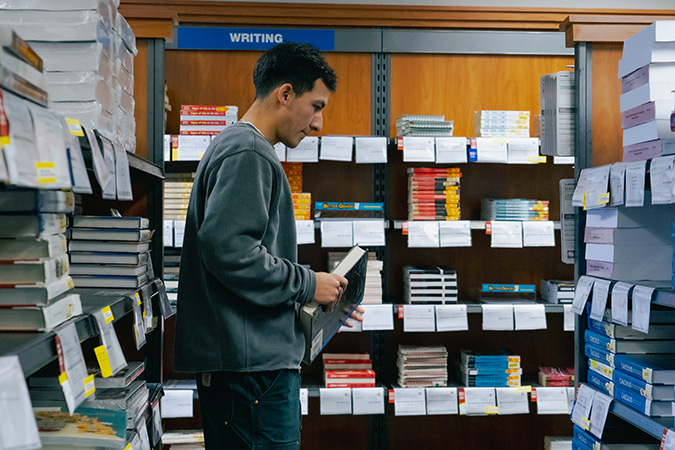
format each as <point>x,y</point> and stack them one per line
<point>298,64</point>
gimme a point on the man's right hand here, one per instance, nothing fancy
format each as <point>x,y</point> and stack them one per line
<point>329,288</point>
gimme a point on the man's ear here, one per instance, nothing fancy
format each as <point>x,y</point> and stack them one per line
<point>284,93</point>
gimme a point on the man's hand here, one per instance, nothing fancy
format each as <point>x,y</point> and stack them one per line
<point>329,288</point>
<point>356,315</point>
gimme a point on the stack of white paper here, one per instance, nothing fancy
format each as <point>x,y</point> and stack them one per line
<point>558,109</point>
<point>88,50</point>
<point>647,73</point>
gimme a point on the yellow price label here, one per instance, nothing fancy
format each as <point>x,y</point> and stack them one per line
<point>604,198</point>
<point>594,363</point>
<point>584,201</point>
<point>520,389</point>
<point>63,377</point>
<point>89,387</point>
<point>74,127</point>
<point>103,361</point>
<point>46,171</point>
<point>537,159</point>
<point>128,447</point>
<point>174,154</point>
<point>138,298</point>
<point>107,314</point>
<point>492,410</point>
<point>647,375</point>
<point>585,423</point>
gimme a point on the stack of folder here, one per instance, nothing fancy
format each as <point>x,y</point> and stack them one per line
<point>647,73</point>
<point>110,252</point>
<point>205,119</point>
<point>518,209</point>
<point>88,50</point>
<point>433,194</point>
<point>35,286</point>
<point>422,366</point>
<point>429,285</point>
<point>423,126</point>
<point>489,370</point>
<point>629,244</point>
<point>502,123</point>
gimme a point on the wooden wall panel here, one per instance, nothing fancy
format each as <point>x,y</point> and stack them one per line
<point>226,78</point>
<point>606,92</point>
<point>458,85</point>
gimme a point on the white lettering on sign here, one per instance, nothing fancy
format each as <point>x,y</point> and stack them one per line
<point>256,37</point>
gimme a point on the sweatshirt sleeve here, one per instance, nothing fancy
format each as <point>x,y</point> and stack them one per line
<point>240,194</point>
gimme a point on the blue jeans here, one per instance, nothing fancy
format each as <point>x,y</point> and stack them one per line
<point>250,410</point>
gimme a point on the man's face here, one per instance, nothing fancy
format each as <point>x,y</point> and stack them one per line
<point>304,114</point>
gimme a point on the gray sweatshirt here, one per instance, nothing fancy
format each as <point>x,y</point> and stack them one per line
<point>240,285</point>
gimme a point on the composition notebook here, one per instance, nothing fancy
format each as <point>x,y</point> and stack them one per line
<point>319,325</point>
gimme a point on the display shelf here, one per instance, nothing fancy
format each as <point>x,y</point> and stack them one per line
<point>475,224</point>
<point>136,163</point>
<point>36,350</point>
<point>655,426</point>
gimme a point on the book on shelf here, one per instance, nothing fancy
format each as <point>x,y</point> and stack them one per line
<point>628,236</point>
<point>500,359</point>
<point>647,407</point>
<point>41,318</point>
<point>614,331</point>
<point>31,225</point>
<point>37,294</point>
<point>629,346</point>
<point>109,234</point>
<point>653,110</point>
<point>319,324</point>
<point>108,246</point>
<point>599,354</point>
<point>652,44</point>
<point>619,253</point>
<point>557,291</point>
<point>648,131</point>
<point>80,221</point>
<point>646,93</point>
<point>110,281</point>
<point>109,258</point>
<point>33,271</point>
<point>123,270</point>
<point>349,378</point>
<point>28,248</point>
<point>647,150</point>
<point>346,361</point>
<point>603,369</point>
<point>96,428</point>
<point>602,384</point>
<point>660,392</point>
<point>628,271</point>
<point>652,368</point>
<point>650,73</point>
<point>22,201</point>
<point>122,379</point>
<point>131,399</point>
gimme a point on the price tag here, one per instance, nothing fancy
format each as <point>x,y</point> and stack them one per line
<point>74,127</point>
<point>541,159</point>
<point>491,410</point>
<point>103,361</point>
<point>107,314</point>
<point>89,386</point>
<point>46,171</point>
<point>585,423</point>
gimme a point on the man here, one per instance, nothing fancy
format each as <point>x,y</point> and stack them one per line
<point>240,284</point>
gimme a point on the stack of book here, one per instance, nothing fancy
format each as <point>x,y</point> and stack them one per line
<point>109,252</point>
<point>90,428</point>
<point>372,294</point>
<point>206,120</point>
<point>501,123</point>
<point>429,285</point>
<point>293,171</point>
<point>177,189</point>
<point>558,109</point>
<point>433,194</point>
<point>629,244</point>
<point>647,73</point>
<point>352,370</point>
<point>637,369</point>
<point>302,205</point>
<point>496,369</point>
<point>557,291</point>
<point>556,376</point>
<point>21,69</point>
<point>423,125</point>
<point>518,209</point>
<point>88,50</point>
<point>35,286</point>
<point>422,366</point>
<point>183,440</point>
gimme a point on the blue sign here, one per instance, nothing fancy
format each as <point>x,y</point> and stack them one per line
<point>221,38</point>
